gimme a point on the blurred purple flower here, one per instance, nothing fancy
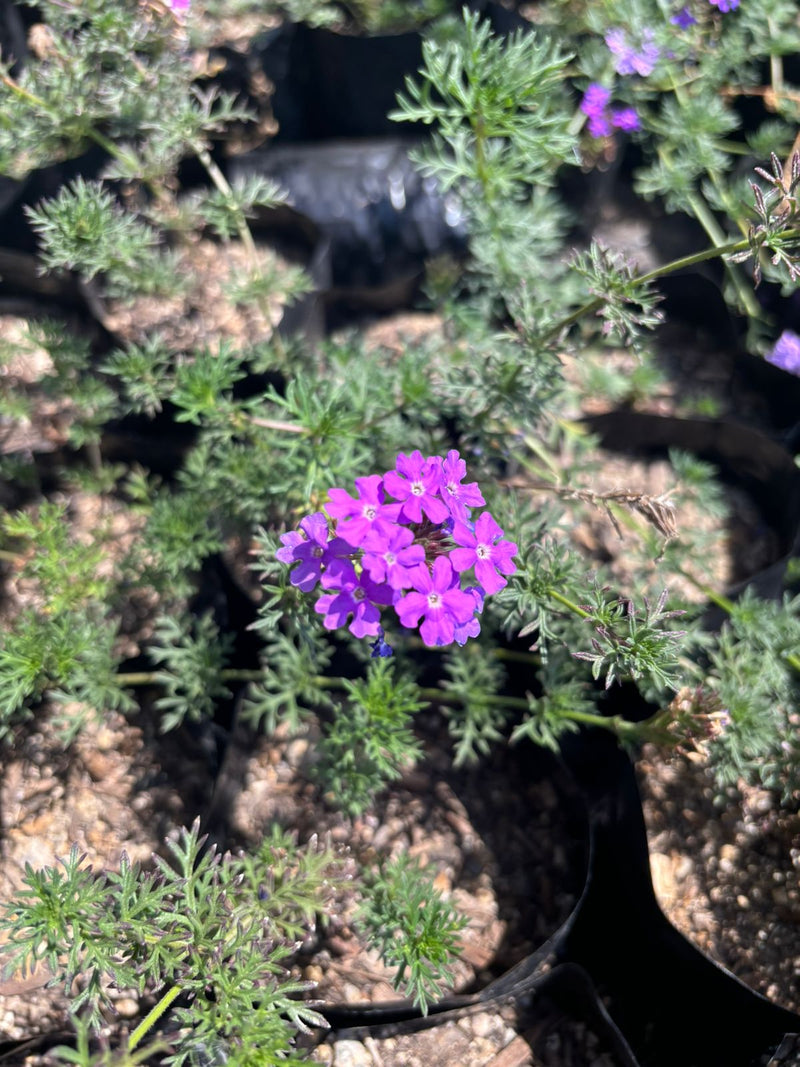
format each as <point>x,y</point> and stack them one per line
<point>180,7</point>
<point>625,119</point>
<point>786,353</point>
<point>629,59</point>
<point>594,104</point>
<point>683,19</point>
<point>725,5</point>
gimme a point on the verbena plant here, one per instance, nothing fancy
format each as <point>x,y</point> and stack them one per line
<point>478,416</point>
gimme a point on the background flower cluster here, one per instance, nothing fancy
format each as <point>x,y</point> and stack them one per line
<point>406,540</point>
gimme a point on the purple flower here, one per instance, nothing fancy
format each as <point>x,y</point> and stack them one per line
<point>786,353</point>
<point>473,627</point>
<point>725,5</point>
<point>387,557</point>
<point>484,551</point>
<point>367,512</point>
<point>180,7</point>
<point>625,119</point>
<point>416,482</point>
<point>458,497</point>
<point>683,19</point>
<point>313,553</point>
<point>594,104</point>
<point>437,598</point>
<point>629,60</point>
<point>355,595</point>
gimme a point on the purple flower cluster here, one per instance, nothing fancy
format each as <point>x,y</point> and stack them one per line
<point>602,118</point>
<point>633,57</point>
<point>725,5</point>
<point>405,540</point>
<point>786,353</point>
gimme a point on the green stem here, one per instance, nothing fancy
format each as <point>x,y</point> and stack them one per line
<point>719,599</point>
<point>569,604</point>
<point>222,184</point>
<point>709,224</point>
<point>153,1016</point>
<point>659,272</point>
<point>621,727</point>
<point>229,674</point>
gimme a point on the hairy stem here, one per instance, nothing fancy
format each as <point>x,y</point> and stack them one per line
<point>153,1016</point>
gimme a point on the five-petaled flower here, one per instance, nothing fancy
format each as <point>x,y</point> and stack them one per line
<point>312,551</point>
<point>416,482</point>
<point>387,557</point>
<point>459,497</point>
<point>484,550</point>
<point>362,515</point>
<point>439,600</point>
<point>355,595</point>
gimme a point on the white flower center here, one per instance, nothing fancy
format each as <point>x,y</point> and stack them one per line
<point>358,593</point>
<point>483,551</point>
<point>390,558</point>
<point>434,601</point>
<point>417,488</point>
<point>369,511</point>
<point>452,488</point>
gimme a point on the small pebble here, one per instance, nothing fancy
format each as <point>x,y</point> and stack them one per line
<point>127,1007</point>
<point>351,1054</point>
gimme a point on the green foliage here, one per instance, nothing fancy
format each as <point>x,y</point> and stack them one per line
<point>200,925</point>
<point>201,382</point>
<point>499,116</point>
<point>222,210</point>
<point>65,570</point>
<point>627,306</point>
<point>84,229</point>
<point>632,645</point>
<point>370,740</point>
<point>755,673</point>
<point>412,927</point>
<point>193,654</point>
<point>549,714</point>
<point>293,683</point>
<point>141,371</point>
<point>473,679</point>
